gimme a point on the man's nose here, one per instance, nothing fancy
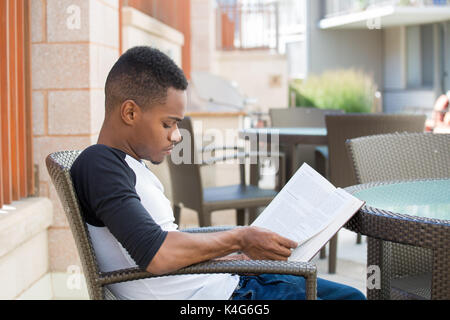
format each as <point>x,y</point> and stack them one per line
<point>175,136</point>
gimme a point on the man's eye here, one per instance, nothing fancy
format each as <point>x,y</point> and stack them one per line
<point>166,126</point>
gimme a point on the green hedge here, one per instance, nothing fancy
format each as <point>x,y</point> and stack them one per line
<point>349,90</point>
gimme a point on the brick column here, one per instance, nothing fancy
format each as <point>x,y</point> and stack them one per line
<point>74,45</point>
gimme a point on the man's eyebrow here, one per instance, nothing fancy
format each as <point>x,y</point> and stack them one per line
<point>175,118</point>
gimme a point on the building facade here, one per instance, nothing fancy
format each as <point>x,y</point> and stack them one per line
<point>404,45</point>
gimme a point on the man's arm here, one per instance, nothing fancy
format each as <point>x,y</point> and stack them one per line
<point>181,249</point>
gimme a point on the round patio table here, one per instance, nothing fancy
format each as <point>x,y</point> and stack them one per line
<point>288,137</point>
<point>412,212</point>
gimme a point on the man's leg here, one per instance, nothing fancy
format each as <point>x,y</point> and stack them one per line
<point>287,287</point>
<point>329,290</point>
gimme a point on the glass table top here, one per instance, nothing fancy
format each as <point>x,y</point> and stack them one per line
<point>289,131</point>
<point>426,199</point>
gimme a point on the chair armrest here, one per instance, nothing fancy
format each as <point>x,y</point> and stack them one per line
<point>238,155</point>
<point>212,150</point>
<point>220,148</point>
<point>303,269</point>
<point>254,175</point>
<point>209,229</point>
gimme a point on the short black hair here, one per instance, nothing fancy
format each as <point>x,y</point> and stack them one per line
<point>142,74</point>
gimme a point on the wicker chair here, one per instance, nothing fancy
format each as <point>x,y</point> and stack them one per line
<point>188,190</point>
<point>59,164</point>
<point>348,126</point>
<point>406,270</point>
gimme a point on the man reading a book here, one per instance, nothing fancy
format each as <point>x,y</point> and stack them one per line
<point>130,220</point>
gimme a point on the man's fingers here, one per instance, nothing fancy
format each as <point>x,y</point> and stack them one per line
<point>285,242</point>
<point>264,244</point>
<point>283,251</point>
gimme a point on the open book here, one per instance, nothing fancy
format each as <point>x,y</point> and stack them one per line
<point>308,210</point>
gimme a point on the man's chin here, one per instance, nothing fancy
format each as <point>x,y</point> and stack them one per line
<point>156,162</point>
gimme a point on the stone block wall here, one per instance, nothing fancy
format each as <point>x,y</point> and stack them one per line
<point>74,45</point>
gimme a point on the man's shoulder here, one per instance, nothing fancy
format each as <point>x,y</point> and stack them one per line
<point>100,151</point>
<point>97,156</point>
<point>100,167</point>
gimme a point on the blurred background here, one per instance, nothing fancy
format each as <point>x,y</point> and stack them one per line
<point>242,58</point>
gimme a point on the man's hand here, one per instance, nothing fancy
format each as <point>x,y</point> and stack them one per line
<point>262,244</point>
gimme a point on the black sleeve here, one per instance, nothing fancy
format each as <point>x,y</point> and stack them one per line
<point>105,186</point>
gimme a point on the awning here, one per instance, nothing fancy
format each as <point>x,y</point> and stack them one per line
<point>387,16</point>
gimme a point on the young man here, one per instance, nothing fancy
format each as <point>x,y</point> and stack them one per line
<point>131,222</point>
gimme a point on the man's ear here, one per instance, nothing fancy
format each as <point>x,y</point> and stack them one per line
<point>128,112</point>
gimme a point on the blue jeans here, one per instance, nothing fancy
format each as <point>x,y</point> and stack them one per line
<point>289,287</point>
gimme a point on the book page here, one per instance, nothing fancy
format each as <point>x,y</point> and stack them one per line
<point>306,206</point>
<point>309,249</point>
<point>301,209</point>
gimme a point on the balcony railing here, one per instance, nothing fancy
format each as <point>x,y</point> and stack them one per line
<point>249,26</point>
<point>340,7</point>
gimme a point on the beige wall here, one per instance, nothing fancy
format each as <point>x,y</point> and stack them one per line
<point>394,50</point>
<point>203,35</point>
<point>260,74</point>
<point>72,53</point>
<point>140,29</point>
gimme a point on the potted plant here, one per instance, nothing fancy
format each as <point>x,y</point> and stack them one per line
<point>350,90</point>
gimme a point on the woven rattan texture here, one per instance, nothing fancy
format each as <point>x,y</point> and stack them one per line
<point>400,157</point>
<point>59,164</point>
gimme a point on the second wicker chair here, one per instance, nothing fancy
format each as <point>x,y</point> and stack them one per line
<point>401,157</point>
<point>348,126</point>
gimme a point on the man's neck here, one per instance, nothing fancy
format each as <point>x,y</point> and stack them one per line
<point>108,136</point>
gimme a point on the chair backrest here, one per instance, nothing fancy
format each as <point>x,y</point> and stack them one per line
<point>58,166</point>
<point>185,176</point>
<point>300,117</point>
<point>400,156</point>
<point>348,126</point>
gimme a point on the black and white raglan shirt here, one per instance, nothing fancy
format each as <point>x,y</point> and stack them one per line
<point>128,218</point>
